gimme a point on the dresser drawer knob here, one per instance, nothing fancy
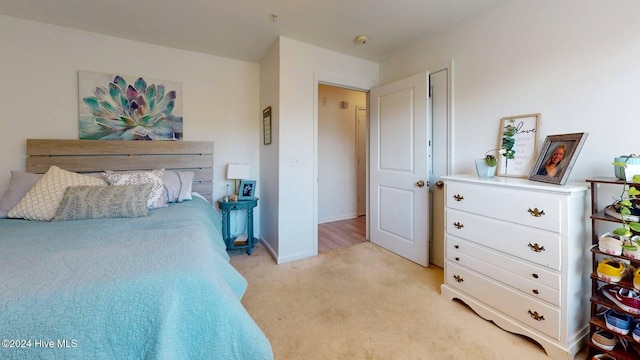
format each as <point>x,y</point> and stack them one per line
<point>535,291</point>
<point>535,212</point>
<point>456,246</point>
<point>535,247</point>
<point>458,197</point>
<point>457,259</point>
<point>534,315</point>
<point>535,276</point>
<point>458,278</point>
<point>458,225</point>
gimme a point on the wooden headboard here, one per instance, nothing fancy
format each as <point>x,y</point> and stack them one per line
<point>85,156</point>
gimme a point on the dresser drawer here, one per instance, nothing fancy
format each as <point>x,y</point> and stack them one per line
<point>537,246</point>
<point>505,300</point>
<point>528,285</point>
<point>522,207</point>
<point>526,270</point>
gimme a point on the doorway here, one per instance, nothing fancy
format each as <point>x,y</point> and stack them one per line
<point>440,156</point>
<point>342,164</point>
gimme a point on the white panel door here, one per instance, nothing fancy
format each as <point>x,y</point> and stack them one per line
<point>398,183</point>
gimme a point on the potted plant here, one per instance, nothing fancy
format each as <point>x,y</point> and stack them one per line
<point>486,167</point>
<point>626,203</point>
<point>623,209</point>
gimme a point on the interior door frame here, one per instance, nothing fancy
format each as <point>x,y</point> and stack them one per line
<point>328,80</point>
<point>345,84</point>
<point>366,155</point>
<point>436,229</point>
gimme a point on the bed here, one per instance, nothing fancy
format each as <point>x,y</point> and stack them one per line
<point>152,287</point>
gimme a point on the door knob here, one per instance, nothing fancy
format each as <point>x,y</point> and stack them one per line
<point>420,183</point>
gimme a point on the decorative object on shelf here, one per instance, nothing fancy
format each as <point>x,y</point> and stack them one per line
<point>266,125</point>
<point>120,107</point>
<point>247,189</point>
<point>556,158</point>
<point>626,166</point>
<point>519,142</point>
<point>627,206</point>
<point>486,167</point>
<point>237,172</point>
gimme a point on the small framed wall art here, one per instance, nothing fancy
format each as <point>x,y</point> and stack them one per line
<point>266,125</point>
<point>518,144</point>
<point>556,158</point>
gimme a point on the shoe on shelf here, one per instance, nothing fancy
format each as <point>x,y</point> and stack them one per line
<point>617,322</point>
<point>605,340</point>
<point>631,248</point>
<point>636,279</point>
<point>610,243</point>
<point>614,210</point>
<point>625,299</point>
<point>635,332</point>
<point>603,357</point>
<point>612,271</point>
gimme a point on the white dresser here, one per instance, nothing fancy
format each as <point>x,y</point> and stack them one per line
<point>517,252</point>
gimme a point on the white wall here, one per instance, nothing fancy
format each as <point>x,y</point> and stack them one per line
<point>301,67</point>
<point>573,61</point>
<point>269,160</point>
<point>39,71</point>
<point>337,157</point>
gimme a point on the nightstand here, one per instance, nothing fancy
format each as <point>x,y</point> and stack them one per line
<point>226,208</point>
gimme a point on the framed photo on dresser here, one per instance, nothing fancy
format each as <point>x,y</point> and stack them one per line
<point>556,158</point>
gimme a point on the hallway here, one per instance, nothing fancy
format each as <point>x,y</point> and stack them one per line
<point>341,234</point>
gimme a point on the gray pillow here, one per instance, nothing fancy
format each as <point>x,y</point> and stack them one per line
<point>177,185</point>
<point>97,202</point>
<point>21,182</point>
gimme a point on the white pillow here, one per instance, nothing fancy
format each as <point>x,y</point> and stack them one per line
<point>157,197</point>
<point>42,200</point>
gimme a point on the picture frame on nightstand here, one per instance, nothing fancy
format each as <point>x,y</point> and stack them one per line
<point>247,190</point>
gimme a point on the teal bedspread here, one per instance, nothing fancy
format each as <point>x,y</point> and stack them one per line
<point>159,287</point>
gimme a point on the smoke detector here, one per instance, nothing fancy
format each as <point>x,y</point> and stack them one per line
<point>362,39</point>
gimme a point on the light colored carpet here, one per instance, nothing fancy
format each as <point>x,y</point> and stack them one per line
<point>364,302</point>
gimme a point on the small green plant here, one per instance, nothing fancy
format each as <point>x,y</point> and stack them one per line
<point>508,141</point>
<point>629,193</point>
<point>491,160</point>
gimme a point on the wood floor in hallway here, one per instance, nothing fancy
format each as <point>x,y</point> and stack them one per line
<point>341,234</point>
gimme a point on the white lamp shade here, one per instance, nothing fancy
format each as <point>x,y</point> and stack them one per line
<point>237,171</point>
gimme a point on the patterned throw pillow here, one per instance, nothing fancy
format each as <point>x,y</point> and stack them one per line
<point>97,202</point>
<point>42,200</point>
<point>156,199</point>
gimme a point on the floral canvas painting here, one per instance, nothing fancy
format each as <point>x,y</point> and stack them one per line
<point>119,107</point>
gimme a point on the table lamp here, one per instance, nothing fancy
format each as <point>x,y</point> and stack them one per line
<point>237,172</point>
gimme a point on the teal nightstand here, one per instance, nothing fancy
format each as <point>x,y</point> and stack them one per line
<point>226,208</point>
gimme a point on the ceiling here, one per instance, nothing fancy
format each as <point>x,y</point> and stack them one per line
<point>246,29</point>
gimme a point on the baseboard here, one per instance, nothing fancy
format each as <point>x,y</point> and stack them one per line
<point>337,218</point>
<point>286,259</point>
<point>269,248</point>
